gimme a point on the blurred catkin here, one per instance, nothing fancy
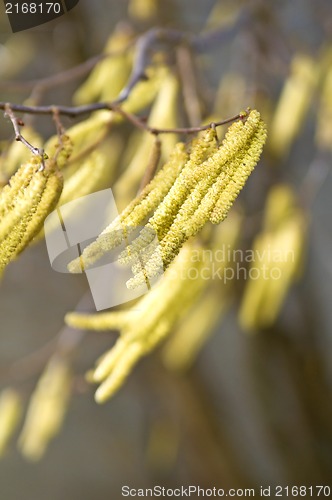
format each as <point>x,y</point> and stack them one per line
<point>46,409</point>
<point>293,104</point>
<point>110,75</point>
<point>146,324</point>
<point>10,414</point>
<point>276,256</point>
<point>162,115</point>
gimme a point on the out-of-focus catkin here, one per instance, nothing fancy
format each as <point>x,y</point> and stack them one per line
<point>146,324</point>
<point>10,414</point>
<point>276,256</point>
<point>293,104</point>
<point>46,409</point>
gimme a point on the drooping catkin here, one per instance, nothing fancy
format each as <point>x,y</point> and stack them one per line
<point>24,204</point>
<point>10,414</point>
<point>17,153</point>
<point>293,103</point>
<point>163,114</point>
<point>219,180</point>
<point>203,189</point>
<point>277,252</point>
<point>146,324</point>
<point>46,410</point>
<point>110,75</point>
<point>136,212</point>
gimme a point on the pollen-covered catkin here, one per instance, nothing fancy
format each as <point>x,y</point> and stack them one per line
<point>218,182</point>
<point>24,204</point>
<point>136,212</point>
<point>277,252</point>
<point>167,210</point>
<point>146,324</point>
<point>17,153</point>
<point>203,188</point>
<point>46,409</point>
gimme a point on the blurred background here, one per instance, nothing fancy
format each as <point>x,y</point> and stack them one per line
<point>254,409</point>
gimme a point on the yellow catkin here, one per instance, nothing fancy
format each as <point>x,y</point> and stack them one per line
<point>182,348</point>
<point>17,184</point>
<point>232,94</point>
<point>277,253</point>
<point>163,115</point>
<point>216,193</point>
<point>324,115</point>
<point>143,10</point>
<point>46,409</point>
<point>146,324</point>
<point>10,414</point>
<point>167,210</point>
<point>111,74</point>
<point>136,212</point>
<point>61,149</point>
<point>86,134</point>
<point>80,137</point>
<point>24,204</point>
<point>113,372</point>
<point>279,206</point>
<point>145,92</point>
<point>183,185</point>
<point>99,322</point>
<point>290,242</point>
<point>196,327</point>
<point>218,183</point>
<point>204,189</point>
<point>293,104</point>
<point>94,173</point>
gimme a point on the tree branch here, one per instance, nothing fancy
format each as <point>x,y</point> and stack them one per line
<point>74,111</point>
<point>154,39</point>
<point>17,123</point>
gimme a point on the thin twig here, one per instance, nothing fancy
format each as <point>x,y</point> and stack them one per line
<point>74,111</point>
<point>145,45</point>
<point>17,123</point>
